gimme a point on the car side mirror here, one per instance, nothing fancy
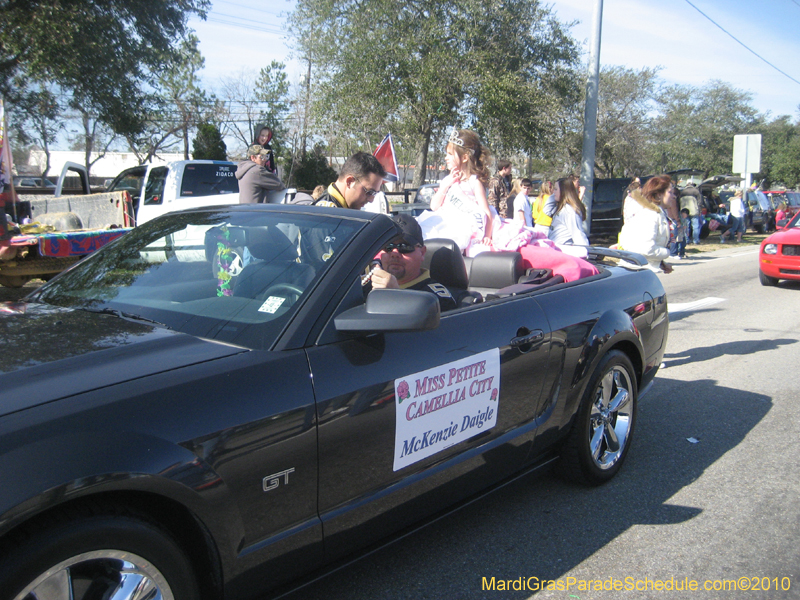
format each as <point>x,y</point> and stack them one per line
<point>392,310</point>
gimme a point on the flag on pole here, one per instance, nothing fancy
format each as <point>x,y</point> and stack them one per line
<point>5,152</point>
<point>386,156</point>
<point>7,195</point>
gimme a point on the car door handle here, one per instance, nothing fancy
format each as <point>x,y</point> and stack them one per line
<point>528,338</point>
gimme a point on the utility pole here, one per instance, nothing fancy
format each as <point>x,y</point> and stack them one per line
<point>305,110</point>
<point>590,114</point>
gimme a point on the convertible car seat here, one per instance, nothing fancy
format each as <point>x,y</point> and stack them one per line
<point>444,260</point>
<point>491,271</point>
<point>499,274</point>
<point>273,261</point>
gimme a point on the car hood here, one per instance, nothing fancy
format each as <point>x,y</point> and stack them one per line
<point>790,236</point>
<point>47,353</point>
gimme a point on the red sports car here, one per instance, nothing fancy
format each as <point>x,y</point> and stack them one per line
<point>779,257</point>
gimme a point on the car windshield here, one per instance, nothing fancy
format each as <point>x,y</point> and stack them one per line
<point>793,198</point>
<point>230,275</point>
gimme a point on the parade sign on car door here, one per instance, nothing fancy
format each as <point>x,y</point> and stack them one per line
<point>440,407</point>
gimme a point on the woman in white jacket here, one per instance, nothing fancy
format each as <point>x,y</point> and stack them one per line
<point>646,229</point>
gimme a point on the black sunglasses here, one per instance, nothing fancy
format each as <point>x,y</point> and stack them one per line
<point>368,191</point>
<point>402,247</point>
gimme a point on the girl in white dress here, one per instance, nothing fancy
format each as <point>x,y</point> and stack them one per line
<point>460,203</point>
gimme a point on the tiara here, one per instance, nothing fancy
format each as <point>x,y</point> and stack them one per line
<point>454,139</point>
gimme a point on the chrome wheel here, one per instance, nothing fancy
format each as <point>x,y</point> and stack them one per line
<point>102,574</point>
<point>603,426</point>
<point>610,421</point>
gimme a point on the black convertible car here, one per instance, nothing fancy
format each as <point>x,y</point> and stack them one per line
<point>211,406</point>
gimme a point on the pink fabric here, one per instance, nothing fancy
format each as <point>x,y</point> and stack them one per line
<point>571,268</point>
<point>510,235</point>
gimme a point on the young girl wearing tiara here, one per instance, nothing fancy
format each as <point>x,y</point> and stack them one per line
<point>460,203</point>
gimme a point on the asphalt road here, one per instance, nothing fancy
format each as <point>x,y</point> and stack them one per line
<point>709,492</point>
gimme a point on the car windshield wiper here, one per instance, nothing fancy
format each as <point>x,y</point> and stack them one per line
<point>125,315</point>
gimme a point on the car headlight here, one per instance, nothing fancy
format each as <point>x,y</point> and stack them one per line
<point>771,249</point>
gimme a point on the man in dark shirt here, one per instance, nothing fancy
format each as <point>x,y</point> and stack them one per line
<point>358,182</point>
<point>499,188</point>
<point>401,264</point>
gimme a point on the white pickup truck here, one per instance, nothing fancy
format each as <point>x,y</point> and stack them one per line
<point>162,188</point>
<point>153,191</point>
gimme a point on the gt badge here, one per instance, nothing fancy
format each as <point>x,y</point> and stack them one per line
<point>270,482</point>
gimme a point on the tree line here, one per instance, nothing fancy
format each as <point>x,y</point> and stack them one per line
<point>125,74</point>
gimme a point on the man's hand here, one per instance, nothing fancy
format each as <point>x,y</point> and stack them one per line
<point>383,280</point>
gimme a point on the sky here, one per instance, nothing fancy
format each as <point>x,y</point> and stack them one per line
<point>690,48</point>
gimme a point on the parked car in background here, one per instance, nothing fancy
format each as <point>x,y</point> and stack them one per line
<point>790,197</point>
<point>608,197</point>
<point>21,182</point>
<point>425,193</point>
<point>211,422</point>
<point>779,255</point>
<point>760,212</point>
<point>423,197</point>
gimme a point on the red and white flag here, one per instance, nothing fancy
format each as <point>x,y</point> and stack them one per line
<point>386,156</point>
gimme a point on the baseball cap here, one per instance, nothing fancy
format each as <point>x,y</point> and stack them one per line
<point>410,230</point>
<point>257,149</point>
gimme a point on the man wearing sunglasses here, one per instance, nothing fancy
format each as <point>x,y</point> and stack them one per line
<point>359,180</point>
<point>401,264</point>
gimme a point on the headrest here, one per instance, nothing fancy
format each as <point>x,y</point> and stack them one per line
<point>443,259</point>
<point>270,244</point>
<point>495,270</point>
<point>236,239</point>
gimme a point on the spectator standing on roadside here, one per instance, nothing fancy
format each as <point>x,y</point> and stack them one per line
<point>516,188</point>
<point>567,227</point>
<point>263,139</point>
<point>781,214</point>
<point>522,204</point>
<point>254,178</point>
<point>646,229</point>
<point>499,189</point>
<point>683,233</point>
<point>543,208</point>
<point>736,218</point>
<point>691,200</point>
<point>318,191</point>
<point>581,189</point>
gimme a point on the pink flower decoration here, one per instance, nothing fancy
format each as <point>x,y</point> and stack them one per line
<point>402,391</point>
